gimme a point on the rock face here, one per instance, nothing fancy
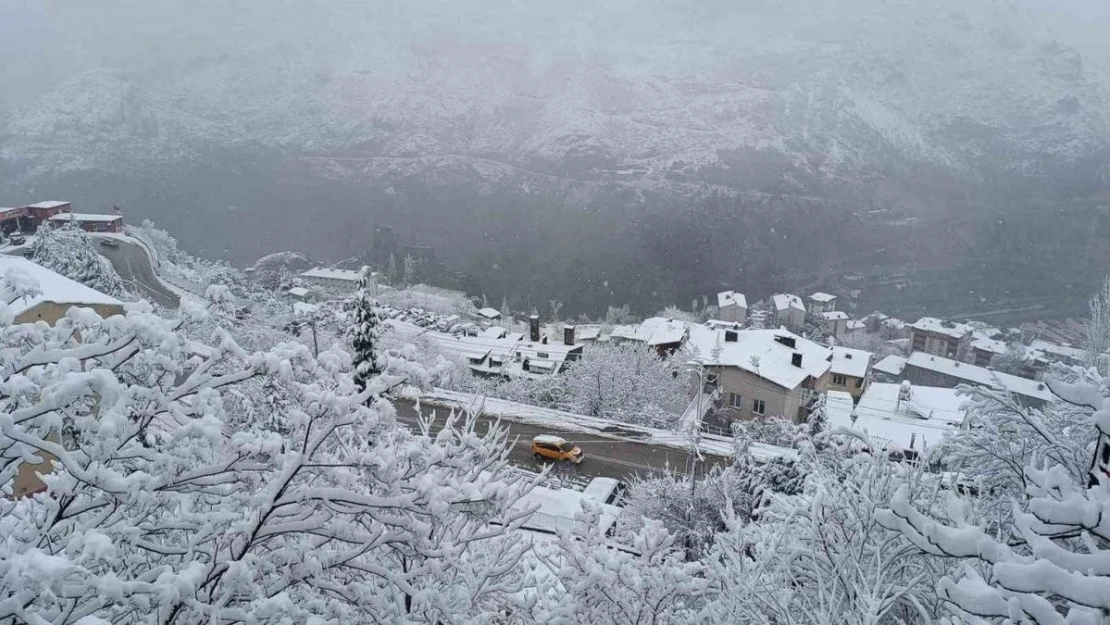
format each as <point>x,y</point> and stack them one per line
<point>838,107</point>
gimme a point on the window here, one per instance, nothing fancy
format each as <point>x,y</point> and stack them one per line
<point>758,406</point>
<point>542,355</point>
<point>859,382</point>
<point>735,401</point>
<point>840,379</point>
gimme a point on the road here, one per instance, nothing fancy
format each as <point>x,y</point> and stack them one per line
<point>604,457</point>
<point>133,265</point>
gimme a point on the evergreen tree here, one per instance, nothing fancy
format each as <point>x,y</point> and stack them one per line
<point>366,333</point>
<point>70,252</point>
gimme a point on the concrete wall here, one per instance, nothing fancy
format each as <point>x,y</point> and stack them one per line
<point>779,401</point>
<point>791,318</point>
<point>850,387</point>
<point>51,312</point>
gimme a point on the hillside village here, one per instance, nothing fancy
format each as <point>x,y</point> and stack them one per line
<point>741,391</point>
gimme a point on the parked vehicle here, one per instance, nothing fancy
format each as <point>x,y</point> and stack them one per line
<point>555,448</point>
<point>17,238</point>
<point>109,242</point>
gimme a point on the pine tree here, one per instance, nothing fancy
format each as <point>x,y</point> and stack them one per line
<point>367,331</point>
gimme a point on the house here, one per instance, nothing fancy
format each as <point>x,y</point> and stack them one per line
<point>492,314</point>
<point>855,327</point>
<point>57,294</point>
<point>589,333</point>
<point>40,212</point>
<point>889,369</point>
<point>836,322</point>
<point>733,307</point>
<point>664,335</point>
<point>929,370</point>
<point>762,372</point>
<point>1059,353</point>
<point>497,352</point>
<point>89,222</point>
<point>850,371</point>
<point>822,302</point>
<point>900,417</point>
<point>302,294</point>
<point>984,349</point>
<point>939,337</point>
<point>788,310</point>
<point>339,279</point>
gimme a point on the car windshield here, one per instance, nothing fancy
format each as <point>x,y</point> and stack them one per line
<point>566,447</point>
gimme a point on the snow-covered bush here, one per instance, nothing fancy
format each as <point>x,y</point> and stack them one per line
<point>626,383</point>
<point>589,580</point>
<point>199,484</point>
<point>69,251</point>
<point>1004,436</point>
<point>821,557</point>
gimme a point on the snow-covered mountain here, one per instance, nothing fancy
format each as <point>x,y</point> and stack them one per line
<point>775,94</point>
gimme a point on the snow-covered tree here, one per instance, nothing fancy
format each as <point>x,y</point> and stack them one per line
<point>202,484</point>
<point>820,556</point>
<point>69,251</point>
<point>589,580</point>
<point>1055,567</point>
<point>1004,436</point>
<point>1097,330</point>
<point>366,333</point>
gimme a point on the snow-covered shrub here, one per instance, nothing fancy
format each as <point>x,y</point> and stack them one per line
<point>69,251</point>
<point>201,483</point>
<point>821,557</point>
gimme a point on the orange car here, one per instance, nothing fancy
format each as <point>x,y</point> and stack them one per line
<point>555,448</point>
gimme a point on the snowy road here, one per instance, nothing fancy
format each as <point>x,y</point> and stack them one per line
<point>133,265</point>
<point>605,457</point>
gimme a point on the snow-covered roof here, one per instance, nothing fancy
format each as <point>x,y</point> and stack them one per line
<point>892,365</point>
<point>895,323</point>
<point>54,287</point>
<point>329,273</point>
<point>557,508</point>
<point>761,352</point>
<point>653,331</point>
<point>921,420</point>
<point>855,325</point>
<point>298,291</point>
<point>668,333</point>
<point>85,217</point>
<point>981,376</point>
<point>304,308</point>
<point>784,301</point>
<point>496,332</point>
<point>835,315</point>
<point>731,298</point>
<point>941,326</point>
<point>549,439</point>
<point>821,297</point>
<point>990,345</point>
<point>848,361</point>
<point>587,333</point>
<point>489,313</point>
<point>48,204</point>
<point>1059,350</point>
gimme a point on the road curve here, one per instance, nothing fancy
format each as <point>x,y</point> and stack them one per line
<point>132,263</point>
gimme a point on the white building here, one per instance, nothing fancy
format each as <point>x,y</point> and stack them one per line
<point>339,279</point>
<point>733,307</point>
<point>821,302</point>
<point>836,321</point>
<point>788,310</point>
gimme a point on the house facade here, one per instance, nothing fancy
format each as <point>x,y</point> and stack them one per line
<point>939,337</point>
<point>761,373</point>
<point>930,370</point>
<point>732,306</point>
<point>788,310</point>
<point>339,279</point>
<point>836,322</point>
<point>850,371</point>
<point>821,302</point>
<point>89,222</point>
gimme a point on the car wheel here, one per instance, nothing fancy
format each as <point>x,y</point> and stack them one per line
<point>538,457</point>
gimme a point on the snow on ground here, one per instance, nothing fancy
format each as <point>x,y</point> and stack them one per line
<point>570,422</point>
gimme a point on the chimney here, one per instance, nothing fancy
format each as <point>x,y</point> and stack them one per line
<point>731,336</point>
<point>534,328</point>
<point>568,335</point>
<point>796,359</point>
